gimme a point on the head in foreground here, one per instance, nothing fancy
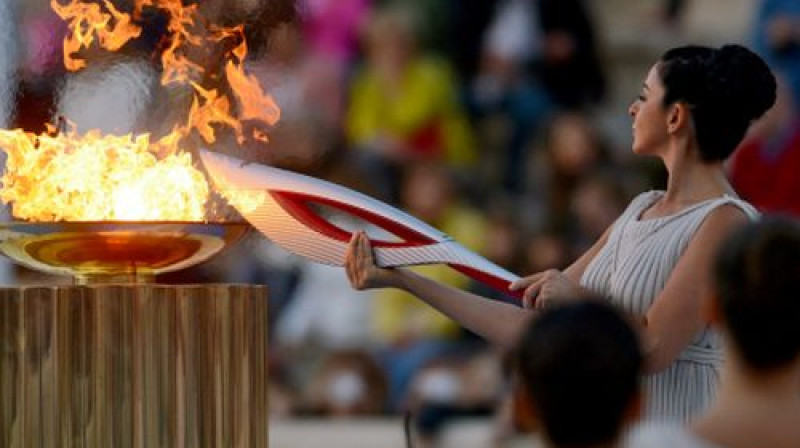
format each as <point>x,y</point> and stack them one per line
<point>757,274</point>
<point>579,366</point>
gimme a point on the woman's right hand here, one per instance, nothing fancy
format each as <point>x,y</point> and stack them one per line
<point>361,269</point>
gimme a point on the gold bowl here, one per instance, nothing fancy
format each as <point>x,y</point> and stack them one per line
<point>115,251</point>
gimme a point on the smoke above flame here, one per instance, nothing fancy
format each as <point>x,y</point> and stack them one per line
<point>63,175</point>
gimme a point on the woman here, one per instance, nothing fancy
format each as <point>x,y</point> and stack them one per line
<point>654,261</point>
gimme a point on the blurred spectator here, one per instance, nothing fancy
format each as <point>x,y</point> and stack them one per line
<point>470,20</point>
<point>596,202</point>
<point>569,63</point>
<point>452,387</point>
<point>672,12</point>
<point>323,312</point>
<point>578,369</point>
<point>313,59</point>
<point>331,27</point>
<point>764,167</point>
<point>539,55</point>
<point>546,249</point>
<point>572,151</point>
<point>434,19</point>
<point>777,39</point>
<point>411,332</point>
<point>284,401</point>
<point>403,105</point>
<point>347,384</point>
<point>505,90</point>
<point>755,304</point>
<point>257,260</point>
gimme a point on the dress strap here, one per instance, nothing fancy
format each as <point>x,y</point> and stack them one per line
<point>743,205</point>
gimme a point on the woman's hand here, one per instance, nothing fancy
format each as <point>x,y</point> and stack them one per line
<point>546,289</point>
<point>361,269</point>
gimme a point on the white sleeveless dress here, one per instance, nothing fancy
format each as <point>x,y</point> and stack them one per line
<point>632,269</point>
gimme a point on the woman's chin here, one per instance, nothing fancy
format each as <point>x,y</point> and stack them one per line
<point>639,150</point>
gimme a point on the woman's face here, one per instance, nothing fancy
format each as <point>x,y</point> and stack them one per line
<point>649,116</point>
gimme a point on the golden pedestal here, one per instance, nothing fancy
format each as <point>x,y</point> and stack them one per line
<point>133,365</point>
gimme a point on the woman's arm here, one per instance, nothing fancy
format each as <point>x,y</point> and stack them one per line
<point>677,315</point>
<point>496,321</point>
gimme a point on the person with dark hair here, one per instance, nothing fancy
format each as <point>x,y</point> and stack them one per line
<point>755,302</point>
<point>578,366</point>
<point>570,67</point>
<point>654,261</point>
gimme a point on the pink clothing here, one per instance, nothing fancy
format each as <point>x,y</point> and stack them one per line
<point>331,27</point>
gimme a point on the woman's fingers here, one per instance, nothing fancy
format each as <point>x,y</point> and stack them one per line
<point>356,261</point>
<point>362,272</point>
<point>365,250</point>
<point>523,283</point>
<point>542,299</point>
<point>532,285</point>
<point>350,260</point>
<point>531,295</point>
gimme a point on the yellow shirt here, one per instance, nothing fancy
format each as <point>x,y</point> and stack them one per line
<point>425,99</point>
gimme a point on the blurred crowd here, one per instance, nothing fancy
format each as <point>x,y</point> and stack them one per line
<point>483,118</point>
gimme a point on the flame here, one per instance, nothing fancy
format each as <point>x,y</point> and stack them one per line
<point>177,66</point>
<point>67,176</point>
<point>112,27</point>
<point>98,177</point>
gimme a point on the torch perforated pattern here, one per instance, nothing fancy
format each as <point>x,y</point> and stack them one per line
<point>285,230</point>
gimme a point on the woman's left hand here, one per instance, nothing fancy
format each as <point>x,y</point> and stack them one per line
<point>547,288</point>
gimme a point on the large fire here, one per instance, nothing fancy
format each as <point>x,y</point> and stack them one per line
<point>90,176</point>
<point>94,177</point>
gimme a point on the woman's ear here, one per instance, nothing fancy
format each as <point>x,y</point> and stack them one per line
<point>677,117</point>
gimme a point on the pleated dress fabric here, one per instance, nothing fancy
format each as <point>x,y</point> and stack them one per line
<point>632,269</point>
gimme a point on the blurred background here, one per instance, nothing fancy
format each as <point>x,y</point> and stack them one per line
<point>503,123</point>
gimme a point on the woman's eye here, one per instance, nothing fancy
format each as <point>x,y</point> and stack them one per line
<point>641,98</point>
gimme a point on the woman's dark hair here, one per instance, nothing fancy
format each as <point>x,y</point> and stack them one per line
<point>580,366</point>
<point>726,89</point>
<point>757,275</point>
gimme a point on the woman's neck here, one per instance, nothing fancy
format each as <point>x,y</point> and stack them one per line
<point>692,180</point>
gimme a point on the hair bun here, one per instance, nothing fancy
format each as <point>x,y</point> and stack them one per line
<point>742,80</point>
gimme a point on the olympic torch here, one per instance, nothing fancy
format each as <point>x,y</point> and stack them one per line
<point>286,214</point>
